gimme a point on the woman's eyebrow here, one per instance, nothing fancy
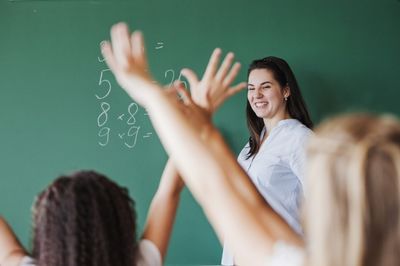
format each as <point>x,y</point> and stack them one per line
<point>265,82</point>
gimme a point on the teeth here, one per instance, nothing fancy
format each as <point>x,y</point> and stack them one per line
<point>258,105</point>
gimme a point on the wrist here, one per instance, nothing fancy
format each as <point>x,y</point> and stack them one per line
<point>154,99</point>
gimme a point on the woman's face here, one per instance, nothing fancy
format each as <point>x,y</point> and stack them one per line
<point>265,95</point>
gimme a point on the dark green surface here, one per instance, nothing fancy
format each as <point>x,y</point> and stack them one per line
<point>345,55</point>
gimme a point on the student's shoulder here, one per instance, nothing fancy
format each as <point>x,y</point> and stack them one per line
<point>148,254</point>
<point>27,261</point>
<point>286,254</point>
<point>17,258</point>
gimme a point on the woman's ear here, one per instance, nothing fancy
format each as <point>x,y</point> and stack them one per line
<point>286,92</point>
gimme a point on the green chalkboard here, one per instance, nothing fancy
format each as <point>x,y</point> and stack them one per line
<point>61,110</point>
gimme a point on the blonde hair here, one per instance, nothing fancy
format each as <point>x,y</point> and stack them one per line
<point>352,210</point>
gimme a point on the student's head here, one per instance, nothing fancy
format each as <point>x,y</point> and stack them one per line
<point>272,92</point>
<point>84,219</point>
<point>353,192</point>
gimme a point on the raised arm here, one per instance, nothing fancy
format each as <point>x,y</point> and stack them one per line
<point>209,169</point>
<point>162,212</point>
<point>11,251</point>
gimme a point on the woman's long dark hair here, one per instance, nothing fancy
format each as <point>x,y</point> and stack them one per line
<point>84,220</point>
<point>295,104</point>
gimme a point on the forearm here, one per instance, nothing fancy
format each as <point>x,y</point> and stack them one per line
<point>11,251</point>
<point>183,143</point>
<point>163,208</point>
<point>160,221</point>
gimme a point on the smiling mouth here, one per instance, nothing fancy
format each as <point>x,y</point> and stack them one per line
<point>261,104</point>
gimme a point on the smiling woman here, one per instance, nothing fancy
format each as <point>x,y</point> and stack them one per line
<point>279,126</point>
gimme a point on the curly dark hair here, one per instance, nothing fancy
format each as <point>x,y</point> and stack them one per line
<point>84,219</point>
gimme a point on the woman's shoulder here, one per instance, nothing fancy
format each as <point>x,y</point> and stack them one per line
<point>295,131</point>
<point>300,128</point>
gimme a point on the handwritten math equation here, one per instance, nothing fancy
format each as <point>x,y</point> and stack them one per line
<point>133,131</point>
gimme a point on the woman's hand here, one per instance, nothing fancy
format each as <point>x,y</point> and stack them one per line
<point>196,117</point>
<point>215,86</point>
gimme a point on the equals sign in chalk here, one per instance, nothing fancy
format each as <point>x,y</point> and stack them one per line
<point>147,135</point>
<point>159,45</point>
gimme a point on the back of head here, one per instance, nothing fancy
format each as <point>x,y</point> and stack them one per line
<point>84,219</point>
<point>353,202</point>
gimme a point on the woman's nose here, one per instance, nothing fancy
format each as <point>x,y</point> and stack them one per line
<point>258,93</point>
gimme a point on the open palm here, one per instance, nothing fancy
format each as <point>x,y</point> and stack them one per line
<point>215,86</point>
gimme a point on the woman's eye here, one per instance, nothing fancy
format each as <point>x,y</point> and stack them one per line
<point>250,88</point>
<point>266,87</point>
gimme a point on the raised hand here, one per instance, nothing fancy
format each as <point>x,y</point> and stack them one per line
<point>127,59</point>
<point>195,116</point>
<point>215,86</point>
